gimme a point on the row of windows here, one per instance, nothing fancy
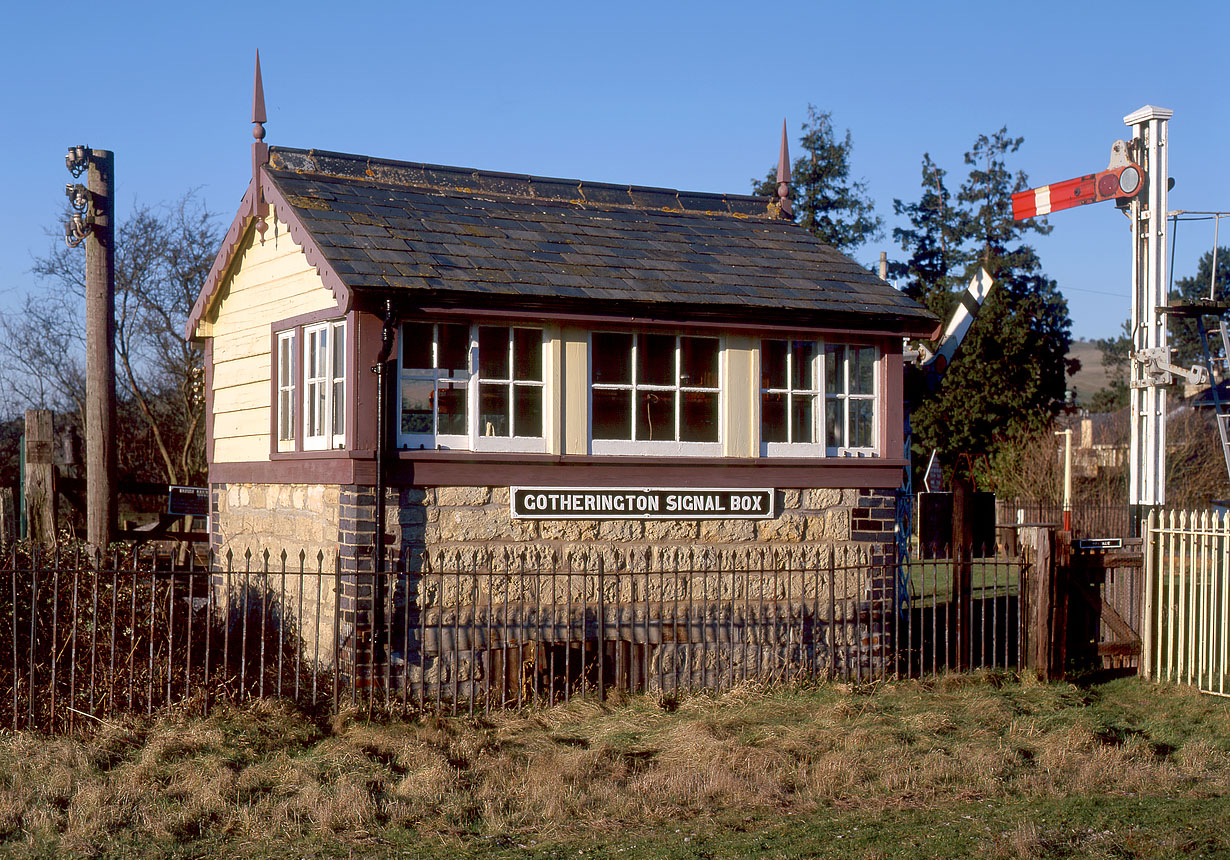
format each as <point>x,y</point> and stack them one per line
<point>482,387</point>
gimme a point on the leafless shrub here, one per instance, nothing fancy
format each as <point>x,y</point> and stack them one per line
<point>1031,467</point>
<point>85,640</point>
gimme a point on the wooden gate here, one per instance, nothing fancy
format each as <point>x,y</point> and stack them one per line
<point>1084,603</point>
<point>1106,594</point>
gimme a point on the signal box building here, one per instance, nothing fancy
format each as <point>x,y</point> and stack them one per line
<point>457,359</point>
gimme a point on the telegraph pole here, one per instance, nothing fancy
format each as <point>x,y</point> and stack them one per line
<point>94,224</point>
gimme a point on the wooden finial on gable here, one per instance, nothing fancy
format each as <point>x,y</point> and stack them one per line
<point>783,178</point>
<point>258,102</point>
<point>260,150</point>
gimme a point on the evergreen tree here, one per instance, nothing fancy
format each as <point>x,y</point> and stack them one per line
<point>934,243</point>
<point>1010,377</point>
<point>827,202</point>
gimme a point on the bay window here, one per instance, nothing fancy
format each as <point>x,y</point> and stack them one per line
<point>309,379</point>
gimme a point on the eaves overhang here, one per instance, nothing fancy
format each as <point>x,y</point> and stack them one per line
<point>234,238</point>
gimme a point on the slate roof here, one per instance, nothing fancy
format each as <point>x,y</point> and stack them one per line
<point>461,235</point>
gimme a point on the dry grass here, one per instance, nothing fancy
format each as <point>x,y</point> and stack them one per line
<point>268,776</point>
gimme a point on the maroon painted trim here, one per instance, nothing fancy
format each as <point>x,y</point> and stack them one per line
<point>361,415</point>
<point>303,237</point>
<point>300,470</point>
<point>222,262</point>
<point>880,475</point>
<point>447,468</point>
<point>325,454</point>
<point>892,436</point>
<point>208,418</point>
<point>677,325</point>
<point>312,318</point>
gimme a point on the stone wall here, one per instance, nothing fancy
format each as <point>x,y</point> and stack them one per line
<point>849,526</point>
<point>489,572</point>
<point>841,527</point>
<point>279,542</point>
<point>291,517</point>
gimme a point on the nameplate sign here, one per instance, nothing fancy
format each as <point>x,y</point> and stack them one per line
<point>1100,543</point>
<point>630,503</point>
<point>188,501</point>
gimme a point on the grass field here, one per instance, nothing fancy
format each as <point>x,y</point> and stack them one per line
<point>1092,377</point>
<point>967,766</point>
<point>932,584</point>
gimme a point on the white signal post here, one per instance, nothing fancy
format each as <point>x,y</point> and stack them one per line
<point>1147,485</point>
<point>1151,368</point>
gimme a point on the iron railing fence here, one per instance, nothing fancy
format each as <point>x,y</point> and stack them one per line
<point>85,640</point>
<point>1089,519</point>
<point>1186,623</point>
<point>500,632</point>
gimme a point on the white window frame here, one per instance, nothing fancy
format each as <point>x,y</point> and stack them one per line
<point>825,402</point>
<point>843,396</point>
<point>660,447</point>
<point>796,449</point>
<point>473,439</point>
<point>323,388</point>
<point>512,442</point>
<point>285,367</point>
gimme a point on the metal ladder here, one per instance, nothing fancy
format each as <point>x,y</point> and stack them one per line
<point>1221,408</point>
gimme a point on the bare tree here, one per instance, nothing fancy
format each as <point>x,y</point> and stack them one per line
<point>163,255</point>
<point>41,354</point>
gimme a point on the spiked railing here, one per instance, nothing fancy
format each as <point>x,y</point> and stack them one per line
<point>89,639</point>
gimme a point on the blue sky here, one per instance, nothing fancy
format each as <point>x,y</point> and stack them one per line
<point>686,95</point>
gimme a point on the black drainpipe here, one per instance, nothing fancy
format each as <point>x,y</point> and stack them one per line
<point>382,430</point>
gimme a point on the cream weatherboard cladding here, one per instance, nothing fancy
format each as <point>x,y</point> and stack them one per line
<point>269,280</point>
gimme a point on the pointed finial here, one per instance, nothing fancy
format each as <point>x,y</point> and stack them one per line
<point>260,151</point>
<point>258,103</point>
<point>783,177</point>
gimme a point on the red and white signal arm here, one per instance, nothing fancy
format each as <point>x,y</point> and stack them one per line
<point>1122,181</point>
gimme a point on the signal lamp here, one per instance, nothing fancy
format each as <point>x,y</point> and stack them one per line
<point>1129,181</point>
